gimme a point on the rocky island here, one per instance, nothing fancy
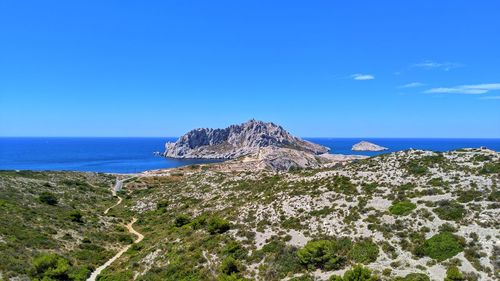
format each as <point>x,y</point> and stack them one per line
<point>262,145</point>
<point>237,140</point>
<point>367,146</point>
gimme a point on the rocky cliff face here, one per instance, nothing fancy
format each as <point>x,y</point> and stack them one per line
<point>237,140</point>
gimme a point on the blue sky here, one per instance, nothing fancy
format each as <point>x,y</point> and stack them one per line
<point>319,68</point>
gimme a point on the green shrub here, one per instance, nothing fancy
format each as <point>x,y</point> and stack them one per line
<point>282,259</point>
<point>436,182</point>
<point>402,208</point>
<point>416,169</point>
<point>48,198</point>
<point>217,225</point>
<point>364,252</point>
<point>325,254</point>
<point>357,273</point>
<point>162,205</point>
<point>494,195</point>
<point>450,210</point>
<point>420,166</point>
<point>490,168</point>
<point>469,195</point>
<point>181,220</point>
<point>442,246</point>
<point>292,223</point>
<point>454,274</point>
<point>447,228</point>
<point>413,277</point>
<point>343,184</point>
<point>75,216</point>
<point>369,187</point>
<point>230,266</point>
<point>50,267</point>
<point>235,250</point>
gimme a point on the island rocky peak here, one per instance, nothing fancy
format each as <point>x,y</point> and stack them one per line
<point>367,146</point>
<point>236,141</point>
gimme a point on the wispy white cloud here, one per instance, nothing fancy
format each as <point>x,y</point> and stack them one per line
<point>446,66</point>
<point>359,76</point>
<point>412,85</point>
<point>466,89</point>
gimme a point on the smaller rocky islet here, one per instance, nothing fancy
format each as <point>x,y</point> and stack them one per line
<point>367,146</point>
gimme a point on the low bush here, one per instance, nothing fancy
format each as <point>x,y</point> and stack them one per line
<point>402,208</point>
<point>75,216</point>
<point>181,220</point>
<point>436,182</point>
<point>216,225</point>
<point>364,252</point>
<point>48,198</point>
<point>231,267</point>
<point>413,277</point>
<point>416,169</point>
<point>442,246</point>
<point>357,273</point>
<point>454,274</point>
<point>469,195</point>
<point>342,184</point>
<point>281,260</point>
<point>325,254</point>
<point>369,187</point>
<point>450,210</point>
<point>490,168</point>
<point>235,250</point>
<point>421,165</point>
<point>50,267</point>
<point>162,204</point>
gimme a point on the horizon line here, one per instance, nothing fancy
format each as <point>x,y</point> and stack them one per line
<point>151,137</point>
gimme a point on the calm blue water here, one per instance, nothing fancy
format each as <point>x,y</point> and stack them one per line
<point>344,145</point>
<point>112,155</point>
<point>130,155</point>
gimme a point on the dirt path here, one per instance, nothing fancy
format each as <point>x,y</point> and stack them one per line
<point>118,186</point>
<point>133,231</point>
<point>117,203</point>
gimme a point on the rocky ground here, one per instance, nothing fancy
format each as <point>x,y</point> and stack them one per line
<point>400,213</point>
<point>409,215</point>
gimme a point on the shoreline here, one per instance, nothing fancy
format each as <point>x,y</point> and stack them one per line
<point>328,155</point>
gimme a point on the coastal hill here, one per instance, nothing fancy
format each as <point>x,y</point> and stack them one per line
<point>237,140</point>
<point>406,215</point>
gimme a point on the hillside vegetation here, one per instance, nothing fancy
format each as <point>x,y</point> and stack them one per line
<point>52,225</point>
<point>409,215</point>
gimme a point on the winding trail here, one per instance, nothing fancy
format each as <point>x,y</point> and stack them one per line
<point>118,186</point>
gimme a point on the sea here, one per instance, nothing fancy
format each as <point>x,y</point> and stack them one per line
<point>134,155</point>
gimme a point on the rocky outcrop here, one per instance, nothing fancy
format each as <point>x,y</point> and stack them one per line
<point>283,159</point>
<point>236,141</point>
<point>367,146</point>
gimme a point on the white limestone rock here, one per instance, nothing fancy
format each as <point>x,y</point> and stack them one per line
<point>367,146</point>
<point>236,141</point>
